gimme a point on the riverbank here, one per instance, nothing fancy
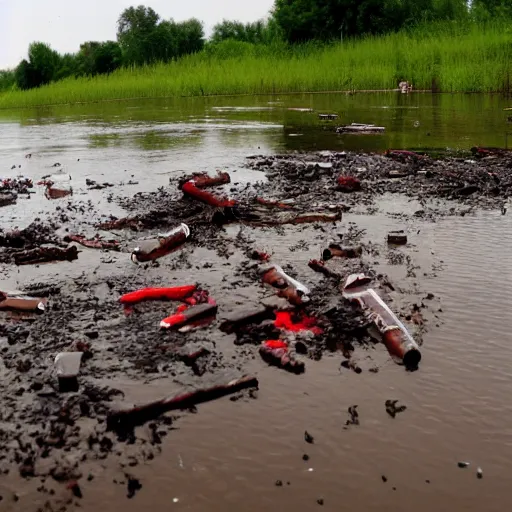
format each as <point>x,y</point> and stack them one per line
<point>447,59</point>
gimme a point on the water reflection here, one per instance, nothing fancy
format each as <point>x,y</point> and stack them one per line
<point>416,120</point>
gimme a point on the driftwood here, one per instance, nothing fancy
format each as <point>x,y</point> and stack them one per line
<point>319,266</point>
<point>254,316</point>
<point>45,255</point>
<point>22,304</point>
<point>272,204</point>
<point>126,222</point>
<point>93,243</point>
<point>335,251</point>
<point>328,117</point>
<point>361,129</point>
<point>124,421</point>
<point>7,199</point>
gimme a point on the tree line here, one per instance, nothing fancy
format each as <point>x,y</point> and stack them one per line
<point>144,38</point>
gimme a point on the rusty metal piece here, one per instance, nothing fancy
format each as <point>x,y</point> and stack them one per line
<point>149,250</point>
<point>52,192</point>
<point>203,180</point>
<point>23,304</point>
<point>45,255</point>
<point>336,251</point>
<point>192,190</point>
<point>125,222</point>
<point>400,344</point>
<point>397,238</point>
<point>272,204</point>
<point>290,289</point>
<point>93,243</point>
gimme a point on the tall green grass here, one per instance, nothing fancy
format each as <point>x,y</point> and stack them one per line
<point>447,57</point>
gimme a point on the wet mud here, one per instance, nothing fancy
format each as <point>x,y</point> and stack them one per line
<point>61,439</point>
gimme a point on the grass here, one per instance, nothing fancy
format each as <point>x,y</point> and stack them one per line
<point>448,58</point>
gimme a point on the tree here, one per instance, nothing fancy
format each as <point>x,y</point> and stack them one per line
<point>40,69</point>
<point>145,39</point>
<point>483,10</point>
<point>258,32</point>
<point>301,20</point>
<point>44,62</point>
<point>135,31</point>
<point>24,75</point>
<point>7,79</point>
<point>69,66</point>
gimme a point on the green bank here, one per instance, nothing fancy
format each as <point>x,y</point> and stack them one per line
<point>441,57</point>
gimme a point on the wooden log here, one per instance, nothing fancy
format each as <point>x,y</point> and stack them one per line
<point>125,420</point>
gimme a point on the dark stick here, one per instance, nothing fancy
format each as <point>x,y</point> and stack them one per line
<point>126,420</point>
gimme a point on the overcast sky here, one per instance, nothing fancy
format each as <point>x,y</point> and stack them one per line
<point>64,24</point>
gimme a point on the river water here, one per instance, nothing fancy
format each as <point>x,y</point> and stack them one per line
<point>230,454</point>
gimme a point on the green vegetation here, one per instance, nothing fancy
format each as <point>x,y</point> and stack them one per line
<point>306,45</point>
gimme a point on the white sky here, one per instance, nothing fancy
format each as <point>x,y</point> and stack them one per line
<point>64,24</point>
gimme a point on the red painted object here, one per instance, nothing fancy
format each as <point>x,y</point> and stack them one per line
<point>296,322</point>
<point>348,184</point>
<point>281,357</point>
<point>176,293</point>
<point>192,190</point>
<point>195,312</point>
<point>275,344</point>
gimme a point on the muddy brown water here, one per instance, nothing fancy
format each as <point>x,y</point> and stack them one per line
<point>229,455</point>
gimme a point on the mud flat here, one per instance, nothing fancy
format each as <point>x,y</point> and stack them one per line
<point>57,446</point>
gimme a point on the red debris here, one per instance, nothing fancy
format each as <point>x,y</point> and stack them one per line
<point>192,190</point>
<point>296,322</point>
<point>348,184</point>
<point>178,320</point>
<point>275,204</point>
<point>93,243</point>
<point>259,255</point>
<point>274,344</point>
<point>276,353</point>
<point>202,180</point>
<point>176,293</point>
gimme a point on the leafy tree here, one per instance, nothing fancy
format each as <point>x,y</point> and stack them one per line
<point>44,62</point>
<point>301,20</point>
<point>24,75</point>
<point>7,79</point>
<point>40,69</point>
<point>145,39</point>
<point>258,32</point>
<point>484,10</point>
<point>69,66</point>
<point>135,33</point>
